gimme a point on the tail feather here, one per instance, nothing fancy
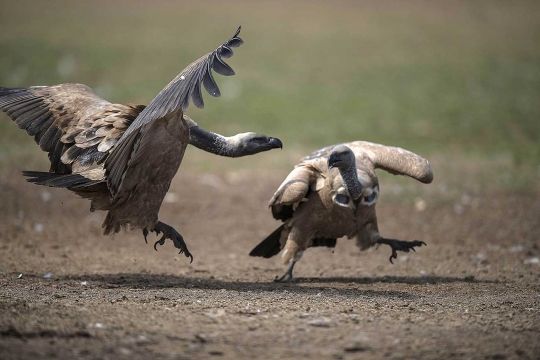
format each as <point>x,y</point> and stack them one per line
<point>70,181</point>
<point>269,246</point>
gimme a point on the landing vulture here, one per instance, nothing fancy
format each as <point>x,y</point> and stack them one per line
<point>123,157</point>
<point>332,193</point>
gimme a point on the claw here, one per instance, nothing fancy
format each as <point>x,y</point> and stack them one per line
<point>170,233</point>
<point>393,256</point>
<point>160,242</point>
<point>145,233</point>
<point>398,245</point>
<point>287,277</point>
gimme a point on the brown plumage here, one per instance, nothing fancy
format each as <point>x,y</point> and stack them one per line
<point>123,157</point>
<point>332,193</point>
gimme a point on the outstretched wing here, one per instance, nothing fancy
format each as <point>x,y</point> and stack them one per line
<point>173,98</point>
<point>187,84</point>
<point>395,160</point>
<point>75,126</point>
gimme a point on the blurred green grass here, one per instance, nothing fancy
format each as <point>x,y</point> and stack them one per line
<point>458,81</point>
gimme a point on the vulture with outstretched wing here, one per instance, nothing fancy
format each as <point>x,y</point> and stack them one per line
<point>332,193</point>
<point>123,157</point>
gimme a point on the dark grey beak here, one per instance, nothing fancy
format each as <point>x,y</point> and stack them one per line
<point>332,161</point>
<point>275,143</point>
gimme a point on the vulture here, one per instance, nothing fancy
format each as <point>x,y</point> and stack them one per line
<point>332,193</point>
<point>123,157</point>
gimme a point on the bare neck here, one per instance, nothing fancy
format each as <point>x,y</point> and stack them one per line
<point>214,143</point>
<point>351,181</point>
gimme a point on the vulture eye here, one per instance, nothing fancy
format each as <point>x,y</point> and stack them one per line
<point>259,140</point>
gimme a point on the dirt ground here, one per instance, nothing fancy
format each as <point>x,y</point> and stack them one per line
<point>473,292</point>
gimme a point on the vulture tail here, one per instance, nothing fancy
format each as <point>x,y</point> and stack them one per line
<point>269,246</point>
<point>70,181</point>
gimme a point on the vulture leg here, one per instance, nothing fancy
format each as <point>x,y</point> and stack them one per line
<point>287,277</point>
<point>170,233</point>
<point>400,245</point>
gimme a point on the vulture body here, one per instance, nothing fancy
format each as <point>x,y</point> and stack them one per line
<point>123,157</point>
<point>332,193</point>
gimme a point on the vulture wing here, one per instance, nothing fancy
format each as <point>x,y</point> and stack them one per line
<point>395,160</point>
<point>173,98</point>
<point>296,186</point>
<point>75,126</point>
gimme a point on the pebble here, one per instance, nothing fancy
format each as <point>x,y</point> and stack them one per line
<point>320,322</point>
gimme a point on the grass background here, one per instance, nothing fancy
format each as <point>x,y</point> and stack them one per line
<point>455,81</point>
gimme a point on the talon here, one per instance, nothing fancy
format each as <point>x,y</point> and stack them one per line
<point>170,233</point>
<point>160,242</point>
<point>393,256</point>
<point>398,245</point>
<point>145,233</point>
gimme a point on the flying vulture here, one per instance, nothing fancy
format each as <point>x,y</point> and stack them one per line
<point>332,193</point>
<point>123,157</point>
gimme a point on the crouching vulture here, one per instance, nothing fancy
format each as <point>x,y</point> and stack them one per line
<point>332,193</point>
<point>123,157</point>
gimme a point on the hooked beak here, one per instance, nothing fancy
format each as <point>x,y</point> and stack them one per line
<point>332,161</point>
<point>275,143</point>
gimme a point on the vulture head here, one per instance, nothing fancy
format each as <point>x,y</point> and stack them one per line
<point>251,143</point>
<point>342,158</point>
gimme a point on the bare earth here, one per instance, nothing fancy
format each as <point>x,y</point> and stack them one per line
<point>473,292</point>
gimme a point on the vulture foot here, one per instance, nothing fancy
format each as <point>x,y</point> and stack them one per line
<point>287,277</point>
<point>169,233</point>
<point>400,245</point>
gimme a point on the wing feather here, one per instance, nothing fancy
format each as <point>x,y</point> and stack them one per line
<point>395,160</point>
<point>175,96</point>
<point>293,190</point>
<point>68,121</point>
<point>172,100</point>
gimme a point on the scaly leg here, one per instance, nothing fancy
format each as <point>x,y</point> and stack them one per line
<point>169,233</point>
<point>287,277</point>
<point>400,245</point>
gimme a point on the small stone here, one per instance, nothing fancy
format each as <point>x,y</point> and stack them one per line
<point>46,196</point>
<point>532,261</point>
<point>420,204</point>
<point>38,228</point>
<point>320,322</point>
<point>517,248</point>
